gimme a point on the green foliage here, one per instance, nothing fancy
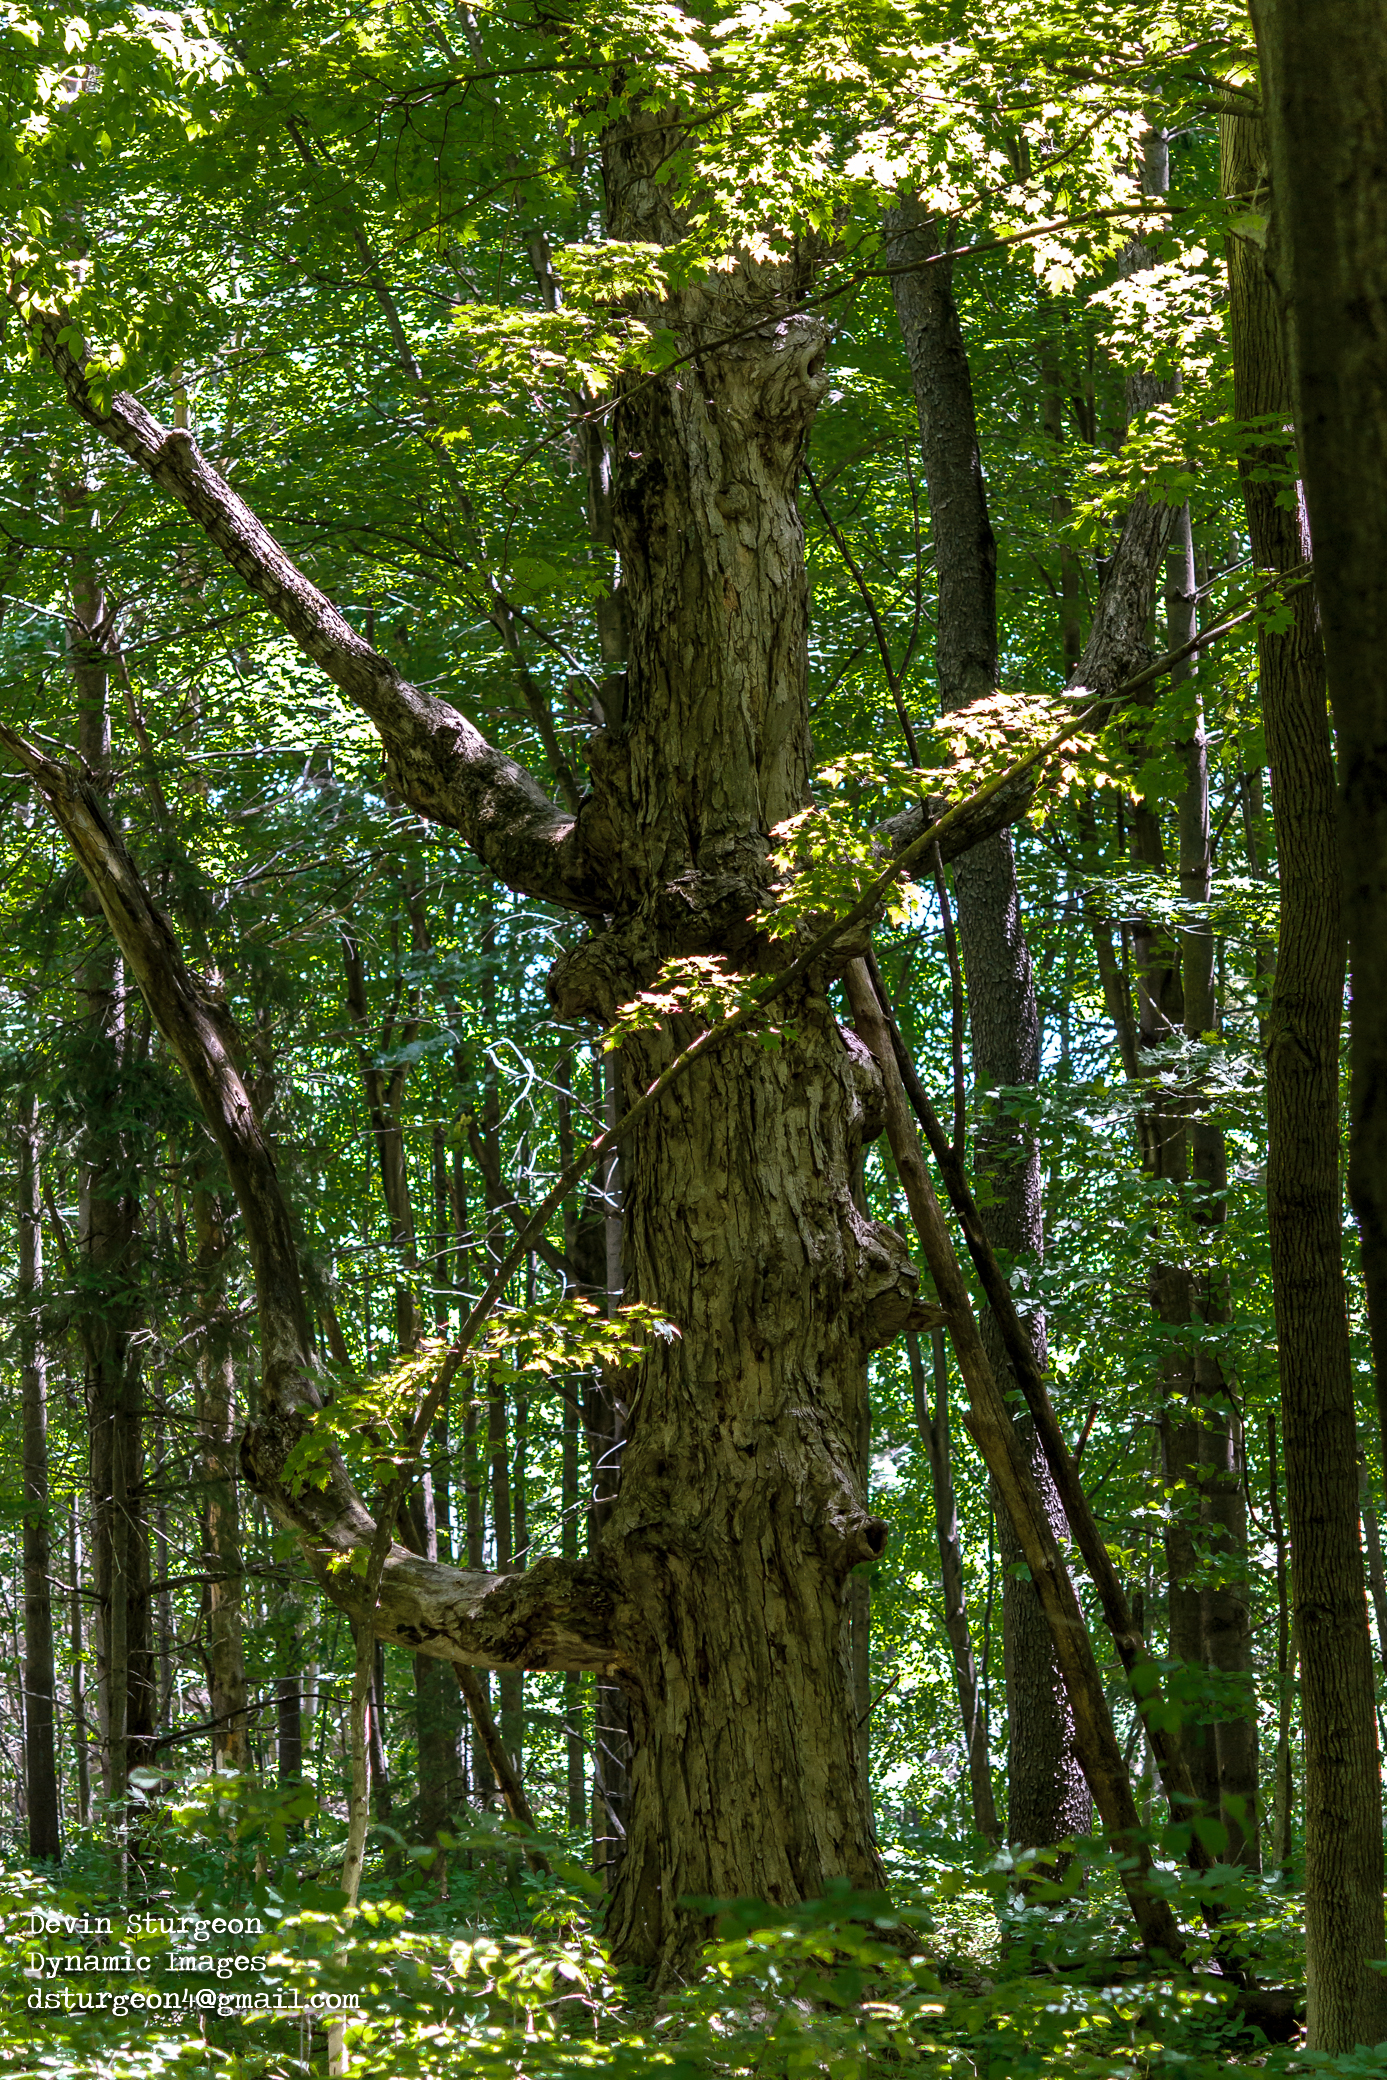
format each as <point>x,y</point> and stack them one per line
<point>851,1986</point>
<point>201,189</point>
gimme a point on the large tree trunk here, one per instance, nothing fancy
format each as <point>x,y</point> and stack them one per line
<point>739,1514</point>
<point>1325,75</point>
<point>40,1753</point>
<point>1326,80</point>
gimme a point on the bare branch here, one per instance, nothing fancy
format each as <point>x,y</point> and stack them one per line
<point>555,1615</point>
<point>442,766</point>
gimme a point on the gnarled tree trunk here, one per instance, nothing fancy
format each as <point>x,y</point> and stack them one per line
<point>716,1589</point>
<point>740,1512</point>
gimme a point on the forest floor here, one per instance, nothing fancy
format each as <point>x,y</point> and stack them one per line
<point>221,1946</point>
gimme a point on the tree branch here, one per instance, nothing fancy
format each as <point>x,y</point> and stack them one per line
<point>1115,639</point>
<point>438,761</point>
<point>558,1614</point>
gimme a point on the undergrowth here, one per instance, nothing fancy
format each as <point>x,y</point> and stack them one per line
<point>464,1962</point>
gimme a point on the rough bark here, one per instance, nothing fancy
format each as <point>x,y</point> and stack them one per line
<point>1325,73</point>
<point>739,1513</point>
<point>40,1752</point>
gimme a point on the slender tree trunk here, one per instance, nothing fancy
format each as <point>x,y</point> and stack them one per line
<point>382,1799</point>
<point>435,1692</point>
<point>81,1738</point>
<point>1008,1462</point>
<point>575,1774</point>
<point>474,1497</point>
<point>288,1729</point>
<point>1048,1800</point>
<point>383,1090</point>
<point>511,1681</point>
<point>164,1690</point>
<point>1226,1626</point>
<point>40,1753</point>
<point>1165,1144</point>
<point>598,1247</point>
<point>1325,73</point>
<point>436,1727</point>
<point>108,1243</point>
<point>934,1429</point>
<point>1325,77</point>
<point>1174,992</point>
<point>1372,1547</point>
<point>221,1531</point>
<point>859,1617</point>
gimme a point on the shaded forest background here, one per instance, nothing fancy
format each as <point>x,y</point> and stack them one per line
<point>359,255</point>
